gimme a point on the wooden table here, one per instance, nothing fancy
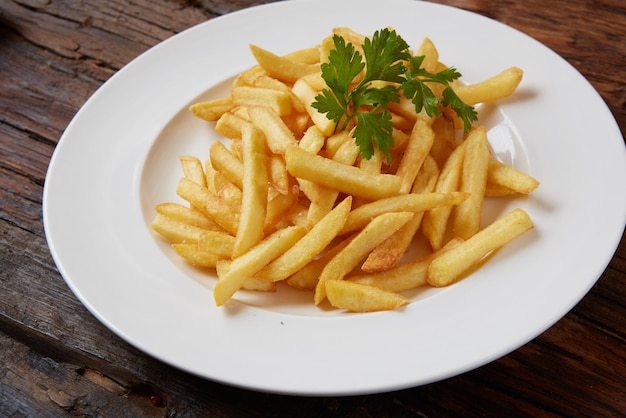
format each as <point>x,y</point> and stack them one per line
<point>59,360</point>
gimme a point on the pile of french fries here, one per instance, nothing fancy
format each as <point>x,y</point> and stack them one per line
<point>286,199</point>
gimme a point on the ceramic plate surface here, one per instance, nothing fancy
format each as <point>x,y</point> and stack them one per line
<point>118,158</point>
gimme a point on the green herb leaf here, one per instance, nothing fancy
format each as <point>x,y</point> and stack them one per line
<point>385,54</point>
<point>374,127</point>
<point>465,112</point>
<point>386,60</point>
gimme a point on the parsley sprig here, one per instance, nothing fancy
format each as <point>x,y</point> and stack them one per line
<point>390,71</point>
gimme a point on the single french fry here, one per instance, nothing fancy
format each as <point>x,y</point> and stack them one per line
<point>175,231</point>
<point>500,174</point>
<point>258,285</point>
<point>376,231</point>
<point>473,181</point>
<point>209,203</point>
<point>401,123</point>
<point>277,206</point>
<point>251,283</point>
<point>212,110</point>
<point>444,141</point>
<point>498,87</point>
<point>429,51</point>
<point>336,141</point>
<point>311,244</point>
<point>227,190</point>
<point>307,95</point>
<point>346,154</point>
<point>278,135</point>
<point>426,179</point>
<point>218,243</point>
<point>357,297</point>
<point>496,190</point>
<point>404,276</point>
<point>282,68</point>
<point>306,56</point>
<point>412,202</point>
<point>267,82</point>
<point>349,179</point>
<point>255,186</point>
<point>418,147</point>
<point>226,163</point>
<point>372,165</point>
<point>435,222</point>
<point>350,35</point>
<point>312,140</point>
<point>194,256</point>
<point>404,108</point>
<point>452,265</point>
<point>314,81</point>
<point>247,77</point>
<point>229,125</point>
<point>278,175</point>
<point>187,215</point>
<point>278,101</point>
<point>241,111</point>
<point>248,264</point>
<point>193,169</point>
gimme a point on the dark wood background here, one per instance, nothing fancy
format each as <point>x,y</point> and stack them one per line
<point>59,360</point>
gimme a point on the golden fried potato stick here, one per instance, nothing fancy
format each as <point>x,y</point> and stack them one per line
<point>498,87</point>
<point>418,147</point>
<point>429,51</point>
<point>504,176</point>
<point>282,68</point>
<point>412,202</point>
<point>218,243</point>
<point>452,265</point>
<point>226,163</point>
<point>247,265</point>
<point>307,94</point>
<point>229,125</point>
<point>254,190</point>
<point>175,231</point>
<point>357,297</point>
<point>278,135</point>
<point>473,181</point>
<point>209,203</point>
<point>435,222</point>
<point>195,256</point>
<point>348,179</point>
<point>212,110</point>
<point>193,169</point>
<point>347,154</point>
<point>187,215</point>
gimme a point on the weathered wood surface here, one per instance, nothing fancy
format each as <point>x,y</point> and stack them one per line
<point>59,360</point>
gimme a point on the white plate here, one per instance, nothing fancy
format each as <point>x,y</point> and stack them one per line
<point>119,157</point>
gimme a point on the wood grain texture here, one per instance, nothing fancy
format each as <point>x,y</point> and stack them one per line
<point>58,360</point>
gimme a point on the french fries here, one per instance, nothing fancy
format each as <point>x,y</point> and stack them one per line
<point>287,200</point>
